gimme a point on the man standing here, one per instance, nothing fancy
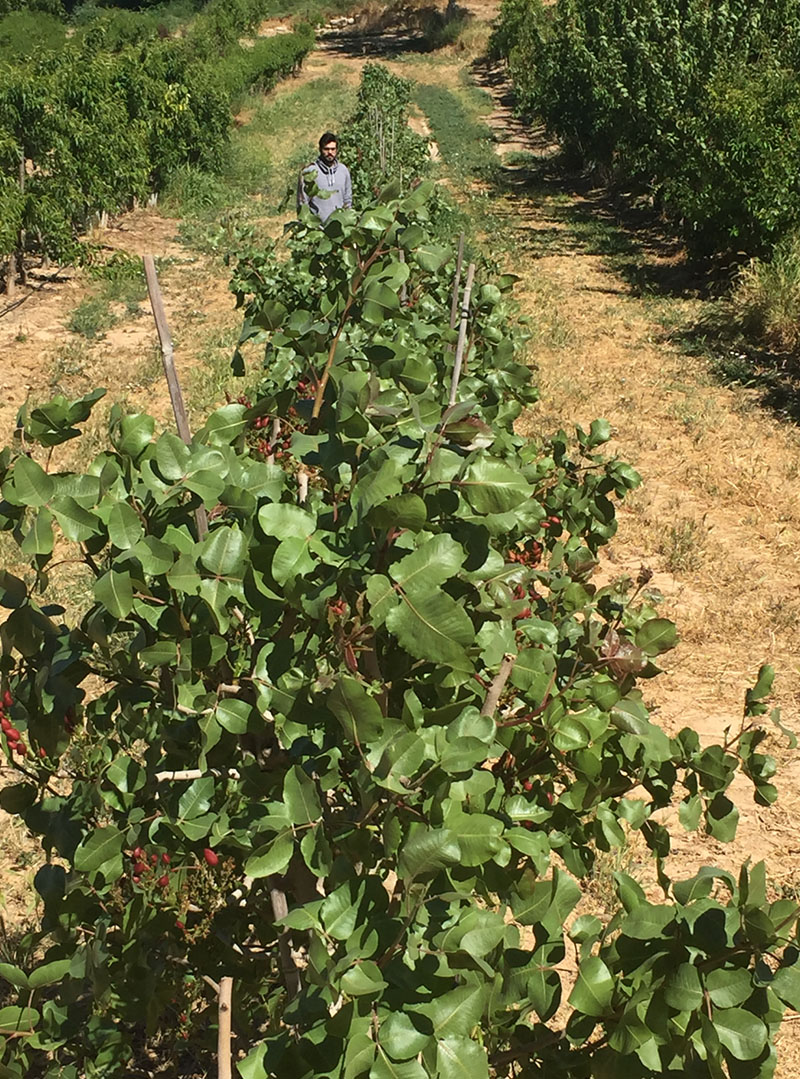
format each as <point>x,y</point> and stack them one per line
<point>331,177</point>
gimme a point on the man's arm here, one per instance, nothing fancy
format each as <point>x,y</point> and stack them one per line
<point>348,189</point>
<point>302,197</point>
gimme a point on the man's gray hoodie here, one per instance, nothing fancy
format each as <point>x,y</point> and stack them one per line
<point>333,180</point>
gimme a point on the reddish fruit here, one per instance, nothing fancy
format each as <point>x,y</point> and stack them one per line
<point>42,752</point>
<point>165,859</point>
<point>183,1018</point>
<point>21,749</point>
<point>136,880</point>
<point>8,700</point>
<point>180,925</point>
<point>549,797</point>
<point>528,785</point>
<point>139,869</point>
<point>153,859</point>
<point>211,858</point>
<point>13,735</point>
<point>138,853</point>
<point>162,882</point>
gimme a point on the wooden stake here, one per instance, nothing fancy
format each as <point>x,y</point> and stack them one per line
<point>224,1028</point>
<point>168,362</point>
<point>462,334</point>
<point>22,237</point>
<point>280,908</point>
<point>403,291</point>
<point>498,685</point>
<point>457,282</point>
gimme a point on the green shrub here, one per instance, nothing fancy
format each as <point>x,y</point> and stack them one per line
<point>341,720</point>
<point>23,32</point>
<point>376,141</point>
<point>765,299</point>
<point>697,101</point>
<point>91,318</point>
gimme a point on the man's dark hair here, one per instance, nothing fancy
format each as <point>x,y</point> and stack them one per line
<point>328,137</point>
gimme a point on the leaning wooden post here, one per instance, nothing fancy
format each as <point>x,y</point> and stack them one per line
<point>403,292</point>
<point>168,361</point>
<point>224,1028</point>
<point>457,283</point>
<point>462,334</point>
<point>22,236</point>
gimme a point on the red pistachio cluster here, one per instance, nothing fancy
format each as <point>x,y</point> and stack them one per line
<point>144,864</point>
<point>13,736</point>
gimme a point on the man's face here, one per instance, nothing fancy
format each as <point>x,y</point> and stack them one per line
<point>329,151</point>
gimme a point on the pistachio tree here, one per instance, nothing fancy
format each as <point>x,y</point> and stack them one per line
<point>340,714</point>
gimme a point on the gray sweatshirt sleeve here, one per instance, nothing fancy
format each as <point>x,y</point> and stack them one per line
<point>302,197</point>
<point>348,190</point>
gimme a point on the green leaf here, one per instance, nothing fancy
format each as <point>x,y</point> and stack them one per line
<point>729,987</point>
<point>49,973</point>
<point>14,1019</point>
<point>433,627</point>
<point>786,984</point>
<point>253,1066</point>
<point>402,511</point>
<point>380,303</point>
<point>77,524</point>
<point>400,1038</point>
<point>172,457</point>
<point>492,487</point>
<point>683,990</point>
<point>384,1068</point>
<point>39,539</point>
<point>124,526</point>
<point>722,818</point>
<point>103,848</point>
<point>17,797</point>
<point>300,797</point>
<point>160,654</point>
<point>339,912</point>
<point>456,1013</point>
<point>233,716</point>
<point>648,921</point>
<point>273,857</point>
<point>196,799</point>
<point>478,836</point>
<point>743,1034</point>
<point>14,976</point>
<point>284,521</point>
<point>461,1058</point>
<point>594,989</point>
<point>549,901</point>
<point>32,485</point>
<point>363,979</point>
<point>358,713</point>
<point>292,559</point>
<point>222,552</point>
<point>133,434</point>
<point>430,565</point>
<point>656,635</point>
<point>115,591</point>
<point>427,851</point>
<point>126,774</point>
